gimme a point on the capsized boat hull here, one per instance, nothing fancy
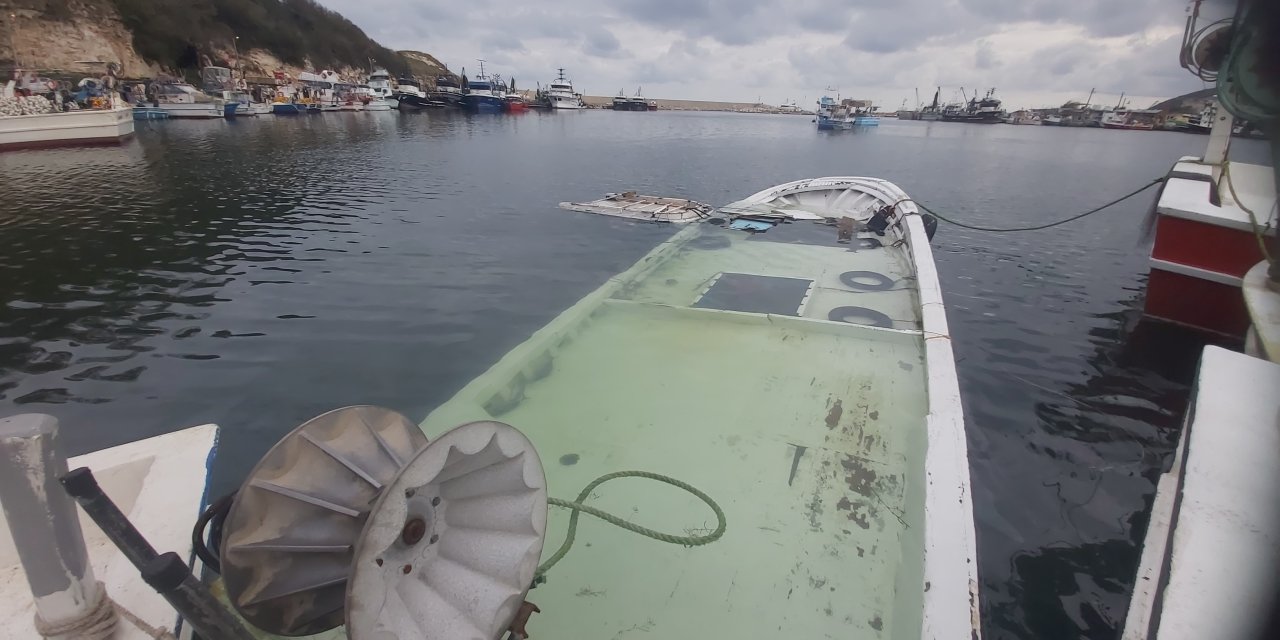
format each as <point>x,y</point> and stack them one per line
<point>803,377</point>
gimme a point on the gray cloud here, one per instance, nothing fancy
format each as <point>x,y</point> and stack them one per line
<point>738,49</point>
<point>602,42</point>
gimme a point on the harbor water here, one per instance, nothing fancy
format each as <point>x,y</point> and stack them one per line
<point>255,273</point>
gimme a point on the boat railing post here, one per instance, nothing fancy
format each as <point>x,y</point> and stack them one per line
<point>45,526</point>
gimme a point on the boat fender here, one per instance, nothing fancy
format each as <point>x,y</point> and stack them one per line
<point>930,225</point>
<point>859,280</point>
<point>860,315</point>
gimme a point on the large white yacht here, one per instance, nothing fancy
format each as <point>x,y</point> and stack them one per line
<point>561,95</point>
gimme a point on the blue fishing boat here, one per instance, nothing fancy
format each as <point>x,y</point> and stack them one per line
<point>832,116</point>
<point>483,94</point>
<point>286,108</point>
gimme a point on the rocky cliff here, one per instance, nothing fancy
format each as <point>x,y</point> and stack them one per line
<point>148,37</point>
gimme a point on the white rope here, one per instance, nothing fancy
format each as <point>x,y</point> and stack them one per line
<point>99,623</point>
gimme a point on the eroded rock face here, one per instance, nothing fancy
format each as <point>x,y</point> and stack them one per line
<point>65,39</point>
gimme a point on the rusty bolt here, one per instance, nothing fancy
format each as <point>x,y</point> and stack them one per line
<point>407,568</point>
<point>413,531</point>
<point>435,502</point>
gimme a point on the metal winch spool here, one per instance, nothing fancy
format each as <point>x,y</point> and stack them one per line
<point>353,518</point>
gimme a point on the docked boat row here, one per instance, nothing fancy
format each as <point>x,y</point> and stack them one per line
<point>637,102</point>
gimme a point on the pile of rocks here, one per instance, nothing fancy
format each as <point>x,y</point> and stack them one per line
<point>24,106</point>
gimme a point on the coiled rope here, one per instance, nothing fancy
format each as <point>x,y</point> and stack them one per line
<point>1041,226</point>
<point>579,508</point>
<point>99,623</point>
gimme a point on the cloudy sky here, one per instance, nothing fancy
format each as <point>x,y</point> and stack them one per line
<point>1034,52</point>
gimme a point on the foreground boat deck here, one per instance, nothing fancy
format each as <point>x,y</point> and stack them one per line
<point>809,433</point>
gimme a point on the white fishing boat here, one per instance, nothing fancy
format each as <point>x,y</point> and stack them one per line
<point>640,207</point>
<point>33,122</point>
<point>560,94</point>
<point>70,128</point>
<point>181,100</point>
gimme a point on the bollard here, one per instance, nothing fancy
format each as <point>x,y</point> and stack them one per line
<point>43,521</point>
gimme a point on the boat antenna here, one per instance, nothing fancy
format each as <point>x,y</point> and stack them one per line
<point>561,74</point>
<point>481,75</point>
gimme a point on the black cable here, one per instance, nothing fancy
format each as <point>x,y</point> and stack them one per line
<point>1048,225</point>
<point>216,513</point>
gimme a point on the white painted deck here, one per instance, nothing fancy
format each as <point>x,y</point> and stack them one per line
<point>159,483</point>
<point>1208,566</point>
<point>1186,195</point>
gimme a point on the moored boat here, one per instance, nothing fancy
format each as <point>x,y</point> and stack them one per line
<point>560,94</point>
<point>482,94</point>
<point>797,367</point>
<point>182,100</point>
<point>985,110</point>
<point>33,121</point>
<point>832,116</point>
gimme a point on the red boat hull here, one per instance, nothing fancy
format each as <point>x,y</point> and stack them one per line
<point>1196,271</point>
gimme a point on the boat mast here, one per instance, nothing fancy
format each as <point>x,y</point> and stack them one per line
<point>917,98</point>
<point>481,75</point>
<point>1088,100</point>
<point>1120,103</point>
<point>936,93</point>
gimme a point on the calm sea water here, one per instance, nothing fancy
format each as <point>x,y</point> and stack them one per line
<point>258,272</point>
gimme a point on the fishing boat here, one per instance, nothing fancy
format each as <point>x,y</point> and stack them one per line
<point>281,107</point>
<point>620,102</point>
<point>560,94</point>
<point>446,92</point>
<point>933,110</point>
<point>646,208</point>
<point>978,111</point>
<point>483,94</point>
<point>1052,120</point>
<point>865,116</point>
<point>514,103</point>
<point>182,100</point>
<point>832,116</point>
<point>34,121</point>
<point>638,102</point>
